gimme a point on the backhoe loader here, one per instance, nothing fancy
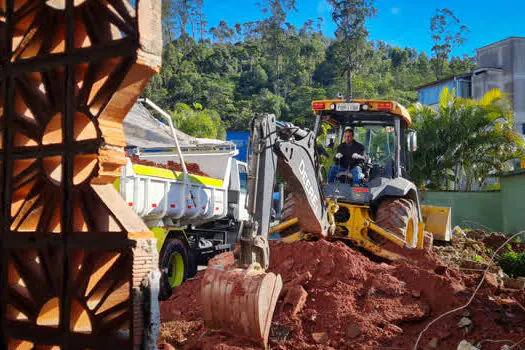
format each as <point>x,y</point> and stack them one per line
<point>237,295</point>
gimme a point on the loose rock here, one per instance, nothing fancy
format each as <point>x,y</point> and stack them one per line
<point>492,280</point>
<point>465,345</point>
<point>464,322</point>
<point>296,298</point>
<point>320,337</point>
<point>433,343</point>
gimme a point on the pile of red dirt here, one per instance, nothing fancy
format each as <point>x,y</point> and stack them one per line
<point>336,297</point>
<point>193,168</point>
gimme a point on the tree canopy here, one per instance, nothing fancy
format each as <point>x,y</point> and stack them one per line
<point>234,70</point>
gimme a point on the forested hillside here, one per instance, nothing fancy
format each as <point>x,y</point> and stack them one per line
<point>215,78</point>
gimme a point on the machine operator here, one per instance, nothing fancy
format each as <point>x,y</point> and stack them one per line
<point>350,155</point>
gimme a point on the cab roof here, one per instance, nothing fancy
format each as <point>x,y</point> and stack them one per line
<point>373,107</point>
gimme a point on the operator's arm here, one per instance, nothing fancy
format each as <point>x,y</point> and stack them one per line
<point>359,153</point>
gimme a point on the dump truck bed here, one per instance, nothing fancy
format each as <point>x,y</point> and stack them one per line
<point>156,193</point>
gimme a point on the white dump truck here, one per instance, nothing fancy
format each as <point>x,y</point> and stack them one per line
<point>193,217</point>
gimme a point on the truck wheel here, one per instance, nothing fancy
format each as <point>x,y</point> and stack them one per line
<point>173,266</point>
<point>399,216</point>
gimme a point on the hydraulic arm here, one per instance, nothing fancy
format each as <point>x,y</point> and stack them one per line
<point>237,295</point>
<point>284,148</point>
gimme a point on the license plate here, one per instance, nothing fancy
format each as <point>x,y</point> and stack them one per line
<point>347,107</point>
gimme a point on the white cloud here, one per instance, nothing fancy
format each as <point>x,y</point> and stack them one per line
<point>395,10</point>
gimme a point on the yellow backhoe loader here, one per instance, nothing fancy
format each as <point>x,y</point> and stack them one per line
<point>380,212</point>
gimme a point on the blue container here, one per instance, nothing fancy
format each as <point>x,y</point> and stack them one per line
<point>240,139</point>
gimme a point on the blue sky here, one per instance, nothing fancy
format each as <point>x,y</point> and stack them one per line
<point>398,22</point>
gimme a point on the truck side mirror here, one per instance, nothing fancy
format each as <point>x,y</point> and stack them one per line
<point>412,141</point>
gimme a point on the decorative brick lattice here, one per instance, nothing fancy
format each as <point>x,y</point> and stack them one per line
<point>70,255</point>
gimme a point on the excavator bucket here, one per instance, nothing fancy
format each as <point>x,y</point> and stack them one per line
<point>239,301</point>
<point>437,220</point>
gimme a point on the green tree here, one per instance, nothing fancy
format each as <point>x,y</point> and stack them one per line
<point>461,65</point>
<point>198,122</point>
<point>349,17</point>
<point>447,33</point>
<point>183,18</point>
<point>267,102</point>
<point>271,66</point>
<point>465,141</point>
<point>400,59</point>
<point>252,81</point>
<point>300,101</point>
<point>223,32</point>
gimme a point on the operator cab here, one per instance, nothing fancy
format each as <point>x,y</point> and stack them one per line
<point>382,128</point>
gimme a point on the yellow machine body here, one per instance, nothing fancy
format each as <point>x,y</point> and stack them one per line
<point>358,229</point>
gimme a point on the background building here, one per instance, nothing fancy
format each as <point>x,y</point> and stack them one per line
<point>428,94</point>
<point>501,65</point>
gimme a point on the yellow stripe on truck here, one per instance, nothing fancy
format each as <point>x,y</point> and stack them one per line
<point>152,171</point>
<point>205,180</point>
<point>146,170</point>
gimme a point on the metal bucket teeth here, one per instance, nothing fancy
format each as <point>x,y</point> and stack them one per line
<point>239,301</point>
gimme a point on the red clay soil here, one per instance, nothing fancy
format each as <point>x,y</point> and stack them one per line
<point>355,303</point>
<point>193,168</point>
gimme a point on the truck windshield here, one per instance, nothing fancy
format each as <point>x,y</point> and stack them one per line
<point>379,142</point>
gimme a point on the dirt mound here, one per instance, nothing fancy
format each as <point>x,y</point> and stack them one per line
<point>193,168</point>
<point>341,299</point>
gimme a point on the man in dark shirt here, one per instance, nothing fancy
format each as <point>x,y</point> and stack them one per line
<point>350,155</point>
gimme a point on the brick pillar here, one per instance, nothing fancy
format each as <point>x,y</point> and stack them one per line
<point>78,267</point>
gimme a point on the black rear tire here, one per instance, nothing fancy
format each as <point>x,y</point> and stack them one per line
<point>173,253</point>
<point>399,216</point>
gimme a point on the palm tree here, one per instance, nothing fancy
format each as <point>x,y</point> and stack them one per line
<point>463,142</point>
